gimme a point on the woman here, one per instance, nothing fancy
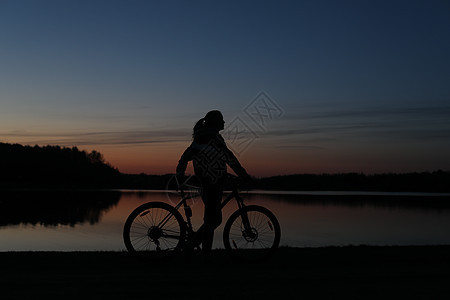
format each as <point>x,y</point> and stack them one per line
<point>210,156</point>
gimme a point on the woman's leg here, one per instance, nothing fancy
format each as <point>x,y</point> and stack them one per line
<point>212,198</point>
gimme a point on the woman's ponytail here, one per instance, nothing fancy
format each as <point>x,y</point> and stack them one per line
<point>199,125</point>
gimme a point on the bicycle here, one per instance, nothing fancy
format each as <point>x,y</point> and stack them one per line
<point>158,231</point>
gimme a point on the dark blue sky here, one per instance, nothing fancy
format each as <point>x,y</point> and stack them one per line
<point>361,85</point>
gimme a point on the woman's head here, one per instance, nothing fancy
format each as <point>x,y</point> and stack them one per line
<point>212,121</point>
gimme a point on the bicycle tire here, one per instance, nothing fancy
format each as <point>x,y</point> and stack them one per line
<point>264,237</point>
<point>144,238</point>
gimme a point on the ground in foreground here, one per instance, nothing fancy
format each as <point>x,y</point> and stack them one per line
<point>421,272</point>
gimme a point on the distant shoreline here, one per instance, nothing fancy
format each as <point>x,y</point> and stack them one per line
<point>243,191</point>
<point>412,184</point>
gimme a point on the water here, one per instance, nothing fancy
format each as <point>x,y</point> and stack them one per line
<point>91,221</point>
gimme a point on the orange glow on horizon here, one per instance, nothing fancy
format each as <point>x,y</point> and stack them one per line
<point>263,160</point>
<point>163,159</point>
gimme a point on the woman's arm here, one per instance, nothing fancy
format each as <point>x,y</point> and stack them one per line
<point>187,156</point>
<point>232,160</point>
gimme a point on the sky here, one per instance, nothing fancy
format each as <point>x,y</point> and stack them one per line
<point>304,86</point>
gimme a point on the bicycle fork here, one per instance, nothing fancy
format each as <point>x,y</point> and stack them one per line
<point>248,232</point>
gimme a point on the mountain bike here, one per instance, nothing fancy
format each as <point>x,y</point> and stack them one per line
<point>158,231</point>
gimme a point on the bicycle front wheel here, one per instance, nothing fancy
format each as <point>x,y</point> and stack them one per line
<point>252,233</point>
<point>154,231</point>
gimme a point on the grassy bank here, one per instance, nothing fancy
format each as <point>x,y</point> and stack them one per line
<point>336,272</point>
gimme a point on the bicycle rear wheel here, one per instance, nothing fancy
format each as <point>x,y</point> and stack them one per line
<point>154,231</point>
<point>252,233</point>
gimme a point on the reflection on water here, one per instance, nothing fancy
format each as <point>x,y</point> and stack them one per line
<point>408,201</point>
<point>81,221</point>
<point>51,208</point>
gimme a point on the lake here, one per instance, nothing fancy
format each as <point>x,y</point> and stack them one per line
<point>93,221</point>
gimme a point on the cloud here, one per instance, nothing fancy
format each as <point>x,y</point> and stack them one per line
<point>128,137</point>
<point>423,111</point>
<point>314,129</point>
<point>428,122</point>
<point>324,129</point>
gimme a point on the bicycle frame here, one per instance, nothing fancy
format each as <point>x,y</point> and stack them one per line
<point>188,212</point>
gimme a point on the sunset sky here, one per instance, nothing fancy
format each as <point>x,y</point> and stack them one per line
<point>304,86</point>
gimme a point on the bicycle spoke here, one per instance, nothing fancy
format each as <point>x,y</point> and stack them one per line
<point>154,230</point>
<point>259,236</point>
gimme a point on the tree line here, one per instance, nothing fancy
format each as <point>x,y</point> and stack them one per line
<point>55,166</point>
<point>48,166</point>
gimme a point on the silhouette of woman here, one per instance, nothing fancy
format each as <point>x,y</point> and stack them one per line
<point>210,156</point>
